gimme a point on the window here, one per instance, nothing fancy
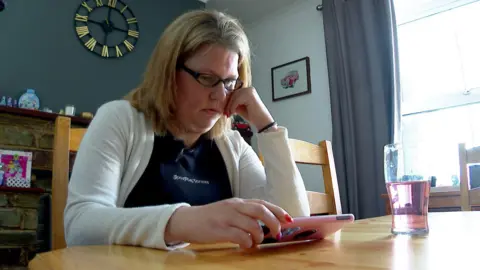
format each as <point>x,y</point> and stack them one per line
<point>439,58</point>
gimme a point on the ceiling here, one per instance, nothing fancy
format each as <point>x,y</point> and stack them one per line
<point>247,11</point>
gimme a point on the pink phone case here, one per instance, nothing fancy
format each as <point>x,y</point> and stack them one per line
<point>309,228</point>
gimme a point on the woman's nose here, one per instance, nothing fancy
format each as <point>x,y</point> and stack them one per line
<point>218,92</point>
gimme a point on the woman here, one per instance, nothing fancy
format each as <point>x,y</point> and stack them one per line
<point>162,168</point>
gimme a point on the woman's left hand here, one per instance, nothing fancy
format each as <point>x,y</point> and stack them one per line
<point>247,103</point>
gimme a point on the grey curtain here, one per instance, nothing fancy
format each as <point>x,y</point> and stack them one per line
<point>363,76</point>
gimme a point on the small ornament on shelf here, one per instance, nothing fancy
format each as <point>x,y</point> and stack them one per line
<point>3,101</point>
<point>9,102</point>
<point>29,100</point>
<point>87,115</point>
<point>15,104</point>
<point>70,110</point>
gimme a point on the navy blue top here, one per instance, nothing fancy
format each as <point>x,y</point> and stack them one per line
<point>174,174</point>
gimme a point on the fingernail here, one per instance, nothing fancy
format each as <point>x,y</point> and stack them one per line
<point>279,236</point>
<point>288,218</point>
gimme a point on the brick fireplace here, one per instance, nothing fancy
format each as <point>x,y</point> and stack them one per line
<point>20,224</point>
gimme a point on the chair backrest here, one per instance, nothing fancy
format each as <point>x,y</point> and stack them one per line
<point>469,197</point>
<point>322,155</point>
<point>66,139</point>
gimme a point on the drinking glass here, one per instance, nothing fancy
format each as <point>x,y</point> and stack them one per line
<point>70,110</point>
<point>408,185</point>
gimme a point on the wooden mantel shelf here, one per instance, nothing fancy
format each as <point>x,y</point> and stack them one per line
<point>42,115</point>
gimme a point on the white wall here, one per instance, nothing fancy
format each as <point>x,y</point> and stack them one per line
<point>291,33</point>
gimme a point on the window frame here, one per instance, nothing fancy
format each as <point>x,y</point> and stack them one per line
<point>468,97</point>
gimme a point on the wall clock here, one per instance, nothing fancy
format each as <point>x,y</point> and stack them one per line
<point>107,28</point>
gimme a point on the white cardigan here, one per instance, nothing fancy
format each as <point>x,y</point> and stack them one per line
<point>114,154</point>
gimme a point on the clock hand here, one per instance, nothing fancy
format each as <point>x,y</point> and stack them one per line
<point>118,29</point>
<point>95,22</point>
<point>105,39</point>
<point>109,13</point>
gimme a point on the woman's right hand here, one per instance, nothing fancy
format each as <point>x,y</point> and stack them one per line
<point>233,220</point>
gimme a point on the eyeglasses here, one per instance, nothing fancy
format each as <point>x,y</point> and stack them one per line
<point>210,80</point>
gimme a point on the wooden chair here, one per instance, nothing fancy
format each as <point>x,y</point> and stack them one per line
<point>66,139</point>
<point>321,154</point>
<point>469,197</point>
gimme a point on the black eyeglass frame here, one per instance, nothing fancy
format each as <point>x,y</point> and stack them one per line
<point>196,75</point>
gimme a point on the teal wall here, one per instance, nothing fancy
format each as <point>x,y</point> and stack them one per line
<point>39,49</point>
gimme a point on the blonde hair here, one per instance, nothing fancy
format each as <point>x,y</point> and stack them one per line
<point>155,96</point>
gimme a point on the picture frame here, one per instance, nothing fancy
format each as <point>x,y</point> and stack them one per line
<point>15,168</point>
<point>291,79</point>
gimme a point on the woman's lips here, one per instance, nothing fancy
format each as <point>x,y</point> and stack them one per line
<point>211,111</point>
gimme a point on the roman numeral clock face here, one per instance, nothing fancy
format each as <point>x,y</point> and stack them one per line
<point>107,28</point>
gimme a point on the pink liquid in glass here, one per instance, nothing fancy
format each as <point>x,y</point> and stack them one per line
<point>409,202</point>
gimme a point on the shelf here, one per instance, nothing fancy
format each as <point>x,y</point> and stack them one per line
<point>25,148</point>
<point>20,190</point>
<point>43,115</point>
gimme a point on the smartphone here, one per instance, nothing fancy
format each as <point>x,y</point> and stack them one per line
<point>308,228</point>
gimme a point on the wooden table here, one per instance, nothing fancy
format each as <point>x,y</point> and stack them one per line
<point>366,244</point>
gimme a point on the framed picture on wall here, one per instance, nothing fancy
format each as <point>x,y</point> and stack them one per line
<point>291,79</point>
